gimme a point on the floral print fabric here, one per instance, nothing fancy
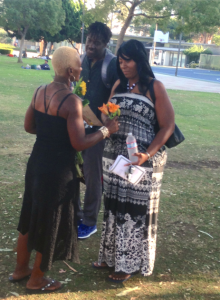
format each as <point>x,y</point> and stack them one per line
<point>129,231</point>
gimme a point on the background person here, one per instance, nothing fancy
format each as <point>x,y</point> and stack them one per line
<point>24,54</point>
<point>47,222</point>
<point>45,66</point>
<point>97,93</point>
<point>129,232</point>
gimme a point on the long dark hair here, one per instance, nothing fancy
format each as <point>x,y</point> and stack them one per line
<point>134,50</point>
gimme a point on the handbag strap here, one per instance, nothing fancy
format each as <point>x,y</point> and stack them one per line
<point>151,90</point>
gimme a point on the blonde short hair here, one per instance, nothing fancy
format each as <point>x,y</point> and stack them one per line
<point>64,58</point>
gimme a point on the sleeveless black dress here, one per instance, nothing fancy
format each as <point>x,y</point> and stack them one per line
<point>48,212</point>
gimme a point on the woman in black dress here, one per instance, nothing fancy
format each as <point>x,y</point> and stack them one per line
<point>47,221</point>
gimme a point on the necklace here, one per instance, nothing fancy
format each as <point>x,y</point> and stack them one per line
<point>130,88</point>
<point>60,82</point>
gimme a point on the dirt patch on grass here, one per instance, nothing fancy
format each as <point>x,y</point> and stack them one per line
<point>193,166</point>
<point>182,228</point>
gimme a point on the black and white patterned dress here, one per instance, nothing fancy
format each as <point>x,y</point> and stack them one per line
<point>129,231</point>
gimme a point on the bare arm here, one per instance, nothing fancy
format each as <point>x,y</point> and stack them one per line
<point>75,126</point>
<point>165,117</point>
<point>29,121</point>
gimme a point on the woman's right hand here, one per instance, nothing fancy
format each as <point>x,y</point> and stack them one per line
<point>112,125</point>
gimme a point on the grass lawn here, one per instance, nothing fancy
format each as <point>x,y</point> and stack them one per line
<point>188,260</point>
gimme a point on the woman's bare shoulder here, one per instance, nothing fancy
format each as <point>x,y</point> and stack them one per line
<point>38,90</point>
<point>71,106</point>
<point>158,84</point>
<point>73,101</point>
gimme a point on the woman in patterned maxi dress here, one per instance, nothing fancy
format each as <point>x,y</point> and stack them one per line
<point>128,241</point>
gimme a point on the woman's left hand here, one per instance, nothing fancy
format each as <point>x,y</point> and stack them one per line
<point>142,157</point>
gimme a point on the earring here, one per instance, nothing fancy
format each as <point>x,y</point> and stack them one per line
<point>72,78</point>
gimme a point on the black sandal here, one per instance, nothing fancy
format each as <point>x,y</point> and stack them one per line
<point>120,280</point>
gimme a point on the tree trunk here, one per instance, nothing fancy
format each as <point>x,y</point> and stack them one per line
<point>45,46</point>
<point>71,42</point>
<point>211,37</point>
<point>22,45</point>
<point>50,49</point>
<point>205,38</point>
<point>126,24</point>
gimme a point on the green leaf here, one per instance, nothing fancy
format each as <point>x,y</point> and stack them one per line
<point>86,102</point>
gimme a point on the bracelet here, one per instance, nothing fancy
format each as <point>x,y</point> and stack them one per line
<point>104,130</point>
<point>148,154</point>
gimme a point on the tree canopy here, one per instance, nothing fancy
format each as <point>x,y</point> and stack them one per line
<point>4,38</point>
<point>70,30</point>
<point>216,39</point>
<point>194,52</point>
<point>174,27</point>
<point>24,15</point>
<point>192,15</point>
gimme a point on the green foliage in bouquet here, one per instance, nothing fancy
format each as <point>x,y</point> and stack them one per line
<point>80,90</point>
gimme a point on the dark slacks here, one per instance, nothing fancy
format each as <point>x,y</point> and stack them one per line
<point>92,169</point>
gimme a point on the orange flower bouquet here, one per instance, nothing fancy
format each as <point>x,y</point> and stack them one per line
<point>110,109</point>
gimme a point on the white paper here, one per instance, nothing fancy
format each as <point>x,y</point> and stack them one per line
<point>120,169</point>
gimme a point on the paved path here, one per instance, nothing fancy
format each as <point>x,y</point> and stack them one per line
<point>179,83</point>
<point>200,74</point>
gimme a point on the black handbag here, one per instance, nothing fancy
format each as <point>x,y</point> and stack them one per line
<point>177,137</point>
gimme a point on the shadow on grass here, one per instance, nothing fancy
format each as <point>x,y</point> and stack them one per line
<point>134,290</point>
<point>187,260</point>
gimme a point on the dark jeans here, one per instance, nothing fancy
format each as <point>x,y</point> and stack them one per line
<point>92,169</point>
